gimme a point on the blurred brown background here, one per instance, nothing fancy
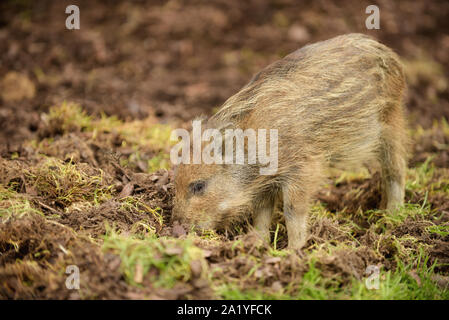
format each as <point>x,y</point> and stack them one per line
<point>178,59</point>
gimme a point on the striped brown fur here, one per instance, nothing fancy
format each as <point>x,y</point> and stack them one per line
<point>335,103</point>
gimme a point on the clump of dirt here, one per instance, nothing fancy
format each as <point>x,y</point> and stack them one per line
<point>36,253</point>
<point>249,255</point>
<point>328,230</point>
<point>352,196</point>
<point>437,242</point>
<point>348,263</point>
<point>44,249</point>
<point>432,143</point>
<point>71,190</point>
<point>56,182</point>
<point>130,210</point>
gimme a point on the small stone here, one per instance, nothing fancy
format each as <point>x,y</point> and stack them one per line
<point>127,190</point>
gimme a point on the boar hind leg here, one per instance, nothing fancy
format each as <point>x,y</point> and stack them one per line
<point>297,193</point>
<point>296,206</point>
<point>393,164</point>
<point>262,218</point>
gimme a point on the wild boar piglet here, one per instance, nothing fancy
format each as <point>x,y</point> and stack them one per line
<point>333,104</point>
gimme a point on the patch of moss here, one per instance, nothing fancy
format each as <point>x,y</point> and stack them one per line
<point>68,182</point>
<point>166,261</point>
<point>13,204</point>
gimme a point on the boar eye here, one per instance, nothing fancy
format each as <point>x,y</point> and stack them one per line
<point>197,187</point>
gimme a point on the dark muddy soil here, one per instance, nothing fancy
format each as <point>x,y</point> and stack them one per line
<point>170,62</point>
<point>180,59</point>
